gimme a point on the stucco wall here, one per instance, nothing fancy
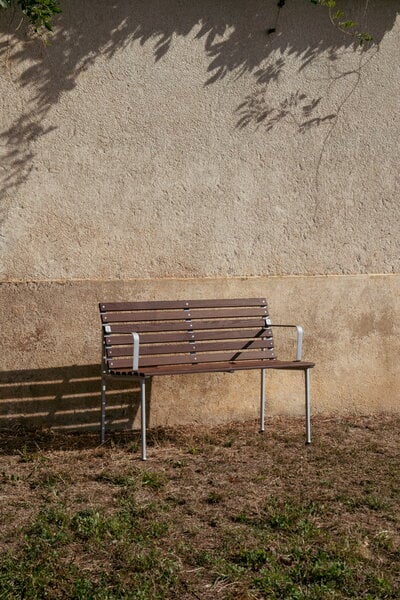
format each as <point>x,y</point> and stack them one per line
<point>180,149</point>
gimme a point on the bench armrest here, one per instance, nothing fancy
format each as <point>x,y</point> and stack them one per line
<point>135,362</point>
<point>299,330</point>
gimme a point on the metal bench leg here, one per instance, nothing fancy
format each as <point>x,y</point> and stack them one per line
<point>262,402</point>
<point>143,417</point>
<point>103,411</point>
<point>308,406</point>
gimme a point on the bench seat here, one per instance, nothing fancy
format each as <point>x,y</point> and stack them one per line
<point>221,367</point>
<point>141,340</point>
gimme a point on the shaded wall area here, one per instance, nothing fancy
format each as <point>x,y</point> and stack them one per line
<point>64,398</point>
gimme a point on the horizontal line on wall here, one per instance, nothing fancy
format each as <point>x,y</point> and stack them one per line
<point>236,277</point>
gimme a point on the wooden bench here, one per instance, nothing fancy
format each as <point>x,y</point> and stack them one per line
<point>141,340</point>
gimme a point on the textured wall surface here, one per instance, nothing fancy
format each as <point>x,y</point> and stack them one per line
<point>157,142</point>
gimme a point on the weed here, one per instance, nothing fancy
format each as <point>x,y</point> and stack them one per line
<point>126,481</point>
<point>175,500</point>
<point>50,528</point>
<point>375,503</point>
<point>228,443</point>
<point>178,464</point>
<point>89,525</point>
<point>214,498</point>
<point>50,481</point>
<point>370,501</point>
<point>10,479</point>
<point>26,457</point>
<point>242,517</point>
<point>153,480</point>
<point>253,559</point>
<point>385,540</point>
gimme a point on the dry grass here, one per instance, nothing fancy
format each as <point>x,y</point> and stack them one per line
<point>214,513</point>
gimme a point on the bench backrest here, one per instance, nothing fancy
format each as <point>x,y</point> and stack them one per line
<point>186,332</point>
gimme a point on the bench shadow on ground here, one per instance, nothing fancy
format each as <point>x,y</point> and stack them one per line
<point>234,36</point>
<point>67,400</point>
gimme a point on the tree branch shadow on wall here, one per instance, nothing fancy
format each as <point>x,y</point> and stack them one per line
<point>235,41</point>
<point>67,399</point>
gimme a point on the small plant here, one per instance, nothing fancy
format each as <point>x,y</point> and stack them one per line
<point>26,457</point>
<point>339,19</point>
<point>242,517</point>
<point>253,559</point>
<point>385,540</point>
<point>214,498</point>
<point>40,13</point>
<point>50,481</point>
<point>228,443</point>
<point>178,464</point>
<point>11,479</point>
<point>88,525</point>
<point>153,480</point>
<point>126,481</point>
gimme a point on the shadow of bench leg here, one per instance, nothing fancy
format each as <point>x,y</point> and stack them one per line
<point>262,402</point>
<point>143,417</point>
<point>103,411</point>
<point>308,406</point>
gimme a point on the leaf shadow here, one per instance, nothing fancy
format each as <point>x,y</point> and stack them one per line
<point>235,45</point>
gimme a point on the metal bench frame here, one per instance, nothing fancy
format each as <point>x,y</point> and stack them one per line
<point>133,318</point>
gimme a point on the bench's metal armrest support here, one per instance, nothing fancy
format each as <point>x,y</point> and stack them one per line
<point>299,330</point>
<point>104,367</point>
<point>135,363</point>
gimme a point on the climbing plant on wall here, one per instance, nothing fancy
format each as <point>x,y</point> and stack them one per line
<point>39,13</point>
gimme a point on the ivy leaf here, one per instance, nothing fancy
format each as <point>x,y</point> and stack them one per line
<point>338,14</point>
<point>364,37</point>
<point>347,24</point>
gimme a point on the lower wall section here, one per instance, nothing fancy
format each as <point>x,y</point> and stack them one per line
<point>51,351</point>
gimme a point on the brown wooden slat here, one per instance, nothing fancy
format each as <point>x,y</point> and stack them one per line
<point>167,304</point>
<point>150,305</point>
<point>227,367</point>
<point>183,326</point>
<point>173,315</point>
<point>190,347</point>
<point>149,327</point>
<point>152,349</point>
<point>149,338</point>
<point>181,359</point>
<point>146,315</point>
<point>237,333</point>
<point>227,313</point>
<point>180,336</point>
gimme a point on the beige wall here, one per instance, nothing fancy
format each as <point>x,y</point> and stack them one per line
<point>174,149</point>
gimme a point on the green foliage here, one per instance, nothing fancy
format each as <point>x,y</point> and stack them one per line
<point>155,481</point>
<point>39,13</point>
<point>40,568</point>
<point>338,19</point>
